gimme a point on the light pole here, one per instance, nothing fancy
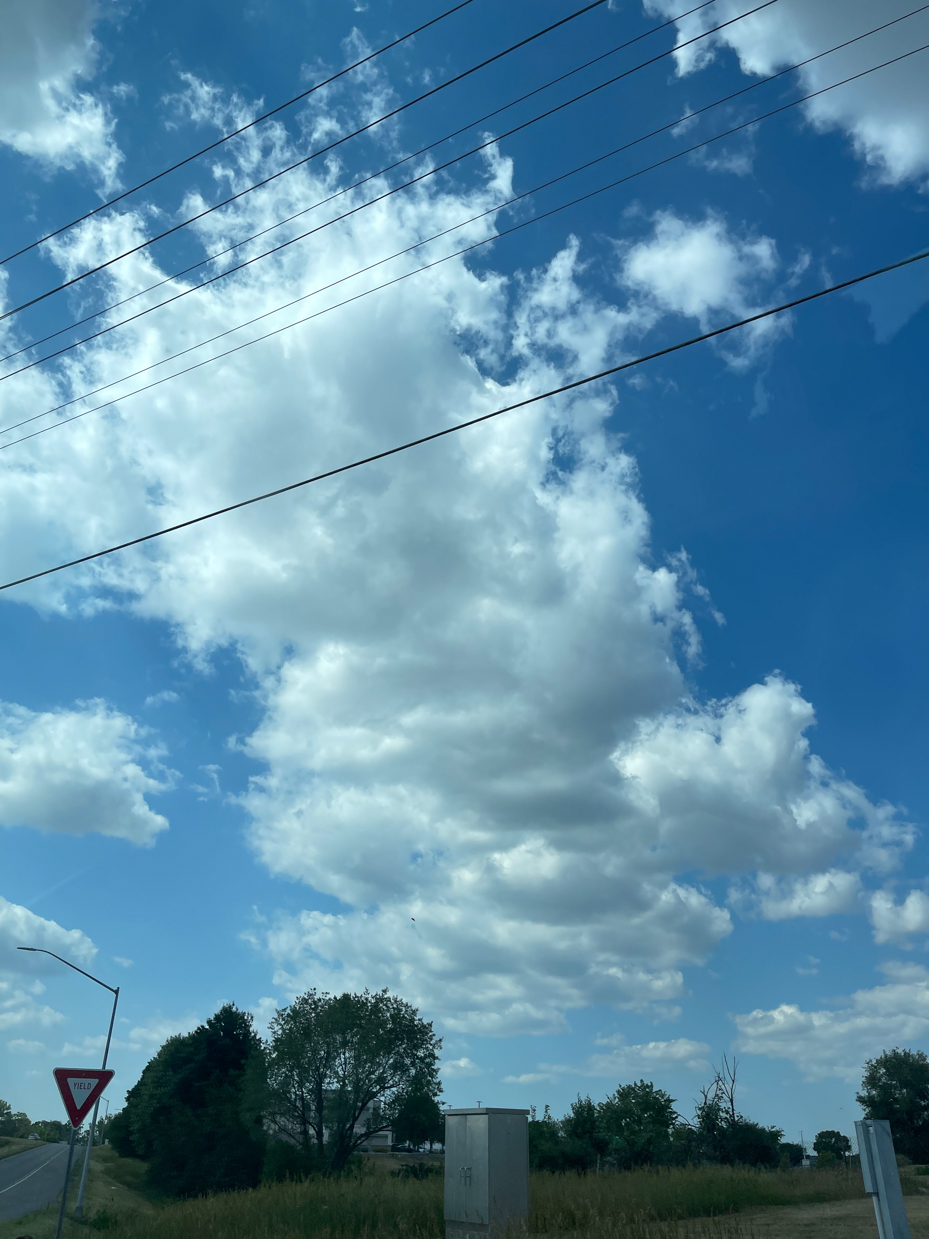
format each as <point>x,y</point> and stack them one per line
<point>79,1207</point>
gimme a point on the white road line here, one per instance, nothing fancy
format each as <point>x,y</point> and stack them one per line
<point>30,1174</point>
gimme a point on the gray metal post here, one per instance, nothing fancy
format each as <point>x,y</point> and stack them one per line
<point>64,1190</point>
<point>79,1207</point>
<point>881,1179</point>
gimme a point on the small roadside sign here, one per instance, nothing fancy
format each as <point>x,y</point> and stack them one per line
<point>80,1087</point>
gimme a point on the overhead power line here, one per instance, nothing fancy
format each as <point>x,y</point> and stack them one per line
<point>235,132</point>
<point>418,270</point>
<point>322,150</point>
<point>423,176</point>
<point>474,421</point>
<point>201,262</point>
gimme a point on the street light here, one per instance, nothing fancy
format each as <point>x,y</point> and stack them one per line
<point>79,1207</point>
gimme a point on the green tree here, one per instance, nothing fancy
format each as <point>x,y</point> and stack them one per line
<point>550,1149</point>
<point>832,1142</point>
<point>13,1122</point>
<point>583,1124</point>
<point>895,1086</point>
<point>189,1116</point>
<point>637,1122</point>
<point>724,1135</point>
<point>419,1121</point>
<point>340,1068</point>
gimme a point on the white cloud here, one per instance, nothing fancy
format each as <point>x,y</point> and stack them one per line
<point>895,922</point>
<point>474,712</point>
<point>819,894</point>
<point>123,963</point>
<point>145,1038</point>
<point>885,115</point>
<point>20,927</point>
<point>18,1009</point>
<point>702,270</point>
<point>734,787</point>
<point>20,1046</point>
<point>529,1077</point>
<point>46,50</point>
<point>837,1042</point>
<point>75,771</point>
<point>625,1062</point>
<point>460,1068</point>
<point>166,697</point>
<point>20,987</point>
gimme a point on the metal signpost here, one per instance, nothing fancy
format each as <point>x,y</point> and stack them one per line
<point>486,1172</point>
<point>881,1180</point>
<point>80,1088</point>
<point>38,950</point>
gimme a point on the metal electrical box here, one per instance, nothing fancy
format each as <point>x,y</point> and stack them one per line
<point>486,1172</point>
<point>881,1180</point>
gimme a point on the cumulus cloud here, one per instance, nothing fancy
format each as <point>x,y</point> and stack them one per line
<point>819,894</point>
<point>704,270</point>
<point>145,1038</point>
<point>625,1062</point>
<point>460,1068</point>
<point>734,786</point>
<point>469,664</point>
<point>21,990</point>
<point>885,115</point>
<point>20,1045</point>
<point>837,1042</point>
<point>75,771</point>
<point>47,49</point>
<point>894,922</point>
<point>20,927</point>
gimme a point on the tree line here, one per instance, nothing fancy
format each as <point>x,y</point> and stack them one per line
<point>221,1108</point>
<point>639,1124</point>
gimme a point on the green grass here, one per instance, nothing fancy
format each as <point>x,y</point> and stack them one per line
<point>114,1188</point>
<point>11,1145</point>
<point>692,1203</point>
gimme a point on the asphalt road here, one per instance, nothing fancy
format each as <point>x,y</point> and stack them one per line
<point>31,1180</point>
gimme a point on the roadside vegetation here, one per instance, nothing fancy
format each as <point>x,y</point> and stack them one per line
<point>365,1204</point>
<point>230,1136</point>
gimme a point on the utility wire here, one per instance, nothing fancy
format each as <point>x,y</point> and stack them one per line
<point>474,421</point>
<point>423,176</point>
<point>355,185</point>
<point>417,270</point>
<point>235,132</point>
<point>595,4</point>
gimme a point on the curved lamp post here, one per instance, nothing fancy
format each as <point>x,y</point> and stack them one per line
<point>79,1207</point>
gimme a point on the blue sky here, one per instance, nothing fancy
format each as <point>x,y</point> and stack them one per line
<point>598,732</point>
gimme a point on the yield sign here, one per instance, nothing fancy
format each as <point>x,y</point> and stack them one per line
<point>80,1087</point>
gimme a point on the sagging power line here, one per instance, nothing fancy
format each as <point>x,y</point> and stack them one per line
<point>235,132</point>
<point>323,150</point>
<point>418,270</point>
<point>202,262</point>
<point>474,421</point>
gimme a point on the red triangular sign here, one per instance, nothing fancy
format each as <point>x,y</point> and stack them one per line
<point>80,1087</point>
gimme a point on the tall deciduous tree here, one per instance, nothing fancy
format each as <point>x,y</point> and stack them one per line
<point>895,1086</point>
<point>189,1115</point>
<point>638,1120</point>
<point>832,1142</point>
<point>341,1067</point>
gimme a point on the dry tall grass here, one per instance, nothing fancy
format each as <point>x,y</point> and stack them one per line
<point>693,1203</point>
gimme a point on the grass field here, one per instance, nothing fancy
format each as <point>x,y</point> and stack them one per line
<point>695,1203</point>
<point>9,1145</point>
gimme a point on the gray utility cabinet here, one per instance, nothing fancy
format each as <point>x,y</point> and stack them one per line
<point>486,1171</point>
